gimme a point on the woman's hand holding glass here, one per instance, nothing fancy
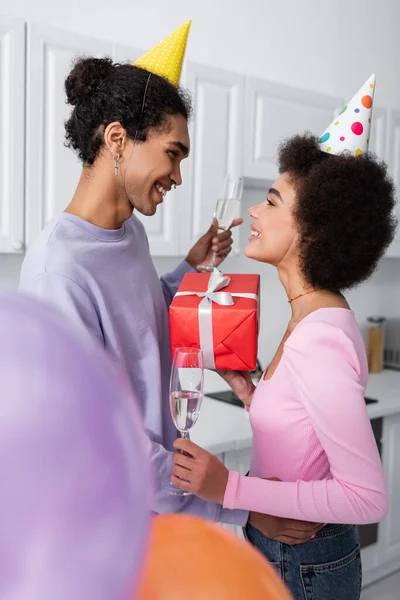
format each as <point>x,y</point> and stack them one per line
<point>198,472</point>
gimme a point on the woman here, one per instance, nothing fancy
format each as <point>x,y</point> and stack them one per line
<point>129,128</point>
<point>324,225</point>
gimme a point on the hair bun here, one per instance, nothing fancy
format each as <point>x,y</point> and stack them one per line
<point>86,76</point>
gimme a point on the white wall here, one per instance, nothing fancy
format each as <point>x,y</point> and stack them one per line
<point>323,45</point>
<point>326,46</point>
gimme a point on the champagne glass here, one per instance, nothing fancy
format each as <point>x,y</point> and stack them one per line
<point>186,394</point>
<point>227,209</point>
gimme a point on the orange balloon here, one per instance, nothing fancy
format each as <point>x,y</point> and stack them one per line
<point>189,557</point>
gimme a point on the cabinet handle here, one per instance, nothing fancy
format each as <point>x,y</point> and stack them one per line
<point>18,245</point>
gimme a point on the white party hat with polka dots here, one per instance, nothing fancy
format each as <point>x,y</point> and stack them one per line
<point>349,132</point>
<point>166,59</point>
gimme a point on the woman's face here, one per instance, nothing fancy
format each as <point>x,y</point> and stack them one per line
<point>153,167</point>
<point>273,233</point>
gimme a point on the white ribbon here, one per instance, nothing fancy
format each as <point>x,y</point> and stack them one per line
<point>216,282</point>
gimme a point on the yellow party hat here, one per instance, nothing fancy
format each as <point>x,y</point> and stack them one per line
<point>166,58</point>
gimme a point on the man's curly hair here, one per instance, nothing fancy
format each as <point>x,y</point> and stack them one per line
<point>344,211</point>
<point>102,92</point>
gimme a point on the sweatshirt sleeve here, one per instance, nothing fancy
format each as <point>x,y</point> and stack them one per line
<point>171,281</point>
<point>323,366</point>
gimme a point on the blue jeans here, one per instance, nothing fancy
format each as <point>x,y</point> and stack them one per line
<point>327,567</point>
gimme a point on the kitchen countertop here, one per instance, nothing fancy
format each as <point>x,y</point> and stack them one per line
<point>222,427</point>
<point>384,387</point>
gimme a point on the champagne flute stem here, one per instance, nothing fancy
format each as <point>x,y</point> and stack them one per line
<point>185,436</point>
<point>214,255</point>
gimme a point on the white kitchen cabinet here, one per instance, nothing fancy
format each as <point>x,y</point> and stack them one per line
<point>389,533</point>
<point>394,168</point>
<point>383,558</point>
<point>216,147</point>
<point>52,170</point>
<point>12,123</point>
<point>274,112</point>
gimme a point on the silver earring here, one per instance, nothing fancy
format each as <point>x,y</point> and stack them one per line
<point>116,165</point>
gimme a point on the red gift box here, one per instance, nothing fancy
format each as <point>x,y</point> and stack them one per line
<point>219,314</point>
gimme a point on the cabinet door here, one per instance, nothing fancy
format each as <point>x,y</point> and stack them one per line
<point>274,112</point>
<point>52,170</point>
<point>389,529</point>
<point>216,147</point>
<point>12,122</point>
<point>394,168</point>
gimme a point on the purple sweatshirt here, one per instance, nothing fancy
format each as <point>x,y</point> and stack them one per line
<point>106,282</point>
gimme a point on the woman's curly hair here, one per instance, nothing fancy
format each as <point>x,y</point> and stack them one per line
<point>102,92</point>
<point>344,212</point>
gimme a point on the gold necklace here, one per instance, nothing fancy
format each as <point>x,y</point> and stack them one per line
<point>303,294</point>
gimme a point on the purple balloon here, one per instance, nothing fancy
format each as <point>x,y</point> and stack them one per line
<point>75,489</point>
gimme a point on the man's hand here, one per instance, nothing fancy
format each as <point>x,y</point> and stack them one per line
<point>210,242</point>
<point>287,531</point>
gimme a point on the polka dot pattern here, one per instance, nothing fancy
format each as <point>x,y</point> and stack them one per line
<point>324,138</point>
<point>366,101</point>
<point>350,132</point>
<point>166,58</point>
<point>357,128</point>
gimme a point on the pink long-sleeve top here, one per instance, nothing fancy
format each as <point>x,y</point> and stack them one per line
<point>311,430</point>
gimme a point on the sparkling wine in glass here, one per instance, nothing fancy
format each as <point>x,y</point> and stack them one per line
<point>227,209</point>
<point>186,393</point>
